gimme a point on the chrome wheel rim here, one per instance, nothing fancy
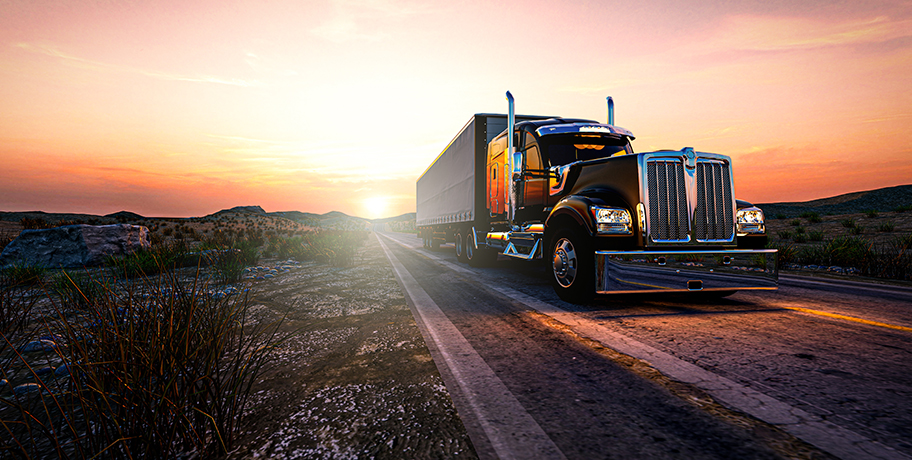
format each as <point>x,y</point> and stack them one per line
<point>459,245</point>
<point>470,245</point>
<point>564,262</point>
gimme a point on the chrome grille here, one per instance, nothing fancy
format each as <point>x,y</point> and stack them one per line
<point>714,215</point>
<point>668,216</point>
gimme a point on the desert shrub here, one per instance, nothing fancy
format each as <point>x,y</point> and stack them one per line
<point>812,217</point>
<point>795,222</point>
<point>857,230</point>
<point>799,229</point>
<point>22,274</point>
<point>886,227</point>
<point>787,254</point>
<point>815,236</point>
<point>904,208</point>
<point>779,216</point>
<point>786,235</point>
<point>871,213</point>
<point>336,247</point>
<point>160,370</point>
<point>33,224</point>
<point>800,238</point>
<point>848,223</point>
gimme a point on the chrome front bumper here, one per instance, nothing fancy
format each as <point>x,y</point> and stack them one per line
<point>620,272</point>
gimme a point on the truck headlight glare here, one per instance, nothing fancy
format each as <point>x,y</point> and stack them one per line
<point>612,221</point>
<point>750,221</point>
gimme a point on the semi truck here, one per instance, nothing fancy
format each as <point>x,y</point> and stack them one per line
<point>573,194</point>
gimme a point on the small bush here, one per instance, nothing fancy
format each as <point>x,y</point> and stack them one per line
<point>815,236</point>
<point>886,227</point>
<point>784,235</point>
<point>904,208</point>
<point>812,217</point>
<point>857,230</point>
<point>871,213</point>
<point>800,238</point>
<point>799,229</point>
<point>848,223</point>
<point>795,222</point>
<point>780,216</point>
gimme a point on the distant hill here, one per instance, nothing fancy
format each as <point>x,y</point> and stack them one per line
<point>883,199</point>
<point>332,219</point>
<point>55,217</point>
<point>125,216</point>
<point>405,217</point>
<point>253,209</point>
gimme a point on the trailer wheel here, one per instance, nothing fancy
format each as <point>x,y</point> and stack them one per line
<point>572,266</point>
<point>477,257</point>
<point>460,244</point>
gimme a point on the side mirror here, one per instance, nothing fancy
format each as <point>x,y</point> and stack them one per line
<point>517,162</point>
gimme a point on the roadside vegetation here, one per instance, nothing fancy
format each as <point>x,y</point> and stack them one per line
<point>152,355</point>
<point>870,243</point>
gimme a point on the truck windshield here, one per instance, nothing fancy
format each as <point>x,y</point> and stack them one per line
<point>564,149</point>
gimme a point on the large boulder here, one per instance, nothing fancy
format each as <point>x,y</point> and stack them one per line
<point>75,246</point>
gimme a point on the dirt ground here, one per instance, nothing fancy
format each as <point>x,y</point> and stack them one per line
<point>355,379</point>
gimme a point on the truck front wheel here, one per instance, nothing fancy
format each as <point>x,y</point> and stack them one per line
<point>572,266</point>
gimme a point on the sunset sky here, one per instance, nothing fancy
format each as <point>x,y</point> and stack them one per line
<point>183,108</point>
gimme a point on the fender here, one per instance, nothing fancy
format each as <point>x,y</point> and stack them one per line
<point>575,207</point>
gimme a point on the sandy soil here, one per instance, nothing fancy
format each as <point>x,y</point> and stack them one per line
<point>355,379</point>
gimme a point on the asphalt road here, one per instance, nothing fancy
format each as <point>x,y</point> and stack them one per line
<point>817,369</point>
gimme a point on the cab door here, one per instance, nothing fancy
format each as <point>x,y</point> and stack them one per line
<point>495,168</point>
<point>535,182</point>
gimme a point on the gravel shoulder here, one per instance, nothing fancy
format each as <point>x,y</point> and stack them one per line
<point>354,379</point>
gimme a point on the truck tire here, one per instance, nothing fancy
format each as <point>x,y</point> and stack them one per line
<point>572,266</point>
<point>478,257</point>
<point>460,244</point>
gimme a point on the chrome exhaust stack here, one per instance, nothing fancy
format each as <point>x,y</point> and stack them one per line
<point>514,159</point>
<point>610,111</point>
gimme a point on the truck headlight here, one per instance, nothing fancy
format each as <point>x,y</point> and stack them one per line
<point>612,221</point>
<point>750,221</point>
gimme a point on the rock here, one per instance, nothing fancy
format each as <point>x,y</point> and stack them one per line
<point>27,388</point>
<point>44,371</point>
<point>75,246</point>
<point>39,345</point>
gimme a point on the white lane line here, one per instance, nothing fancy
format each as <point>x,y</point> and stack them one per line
<point>826,436</point>
<point>512,432</point>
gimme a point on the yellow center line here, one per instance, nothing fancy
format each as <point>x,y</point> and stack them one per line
<point>851,318</point>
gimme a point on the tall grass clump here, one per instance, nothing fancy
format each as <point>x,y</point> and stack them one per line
<point>149,262</point>
<point>891,260</point>
<point>79,289</point>
<point>152,369</point>
<point>22,274</point>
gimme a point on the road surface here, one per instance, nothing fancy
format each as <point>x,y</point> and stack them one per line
<point>817,369</point>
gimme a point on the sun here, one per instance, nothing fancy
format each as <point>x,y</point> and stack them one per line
<point>376,207</point>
